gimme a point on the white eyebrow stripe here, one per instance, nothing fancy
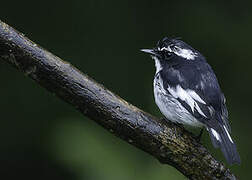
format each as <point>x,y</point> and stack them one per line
<point>185,53</point>
<point>166,48</point>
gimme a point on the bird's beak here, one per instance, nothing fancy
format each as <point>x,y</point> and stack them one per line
<point>149,51</point>
<point>152,52</point>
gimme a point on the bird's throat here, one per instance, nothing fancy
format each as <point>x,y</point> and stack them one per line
<point>157,64</point>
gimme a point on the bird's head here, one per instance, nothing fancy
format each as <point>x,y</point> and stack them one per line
<point>168,48</point>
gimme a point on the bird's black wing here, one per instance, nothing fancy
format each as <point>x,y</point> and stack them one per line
<point>196,88</point>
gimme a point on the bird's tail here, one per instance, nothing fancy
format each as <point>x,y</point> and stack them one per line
<point>221,138</point>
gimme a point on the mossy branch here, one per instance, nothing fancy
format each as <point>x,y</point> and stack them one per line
<point>165,141</point>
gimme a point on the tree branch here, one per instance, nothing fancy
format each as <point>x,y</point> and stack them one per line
<point>167,142</point>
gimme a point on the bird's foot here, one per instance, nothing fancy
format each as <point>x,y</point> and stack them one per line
<point>198,137</point>
<point>177,123</point>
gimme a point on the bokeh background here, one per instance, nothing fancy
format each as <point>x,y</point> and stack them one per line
<point>45,138</point>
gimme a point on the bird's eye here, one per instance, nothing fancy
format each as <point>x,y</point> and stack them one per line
<point>172,46</point>
<point>167,54</point>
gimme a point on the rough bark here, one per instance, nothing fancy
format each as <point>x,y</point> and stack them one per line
<point>167,142</point>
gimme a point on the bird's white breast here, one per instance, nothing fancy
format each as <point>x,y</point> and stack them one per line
<point>170,107</point>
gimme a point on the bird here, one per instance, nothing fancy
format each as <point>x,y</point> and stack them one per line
<point>187,92</point>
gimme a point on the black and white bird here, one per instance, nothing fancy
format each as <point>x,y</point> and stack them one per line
<point>186,91</point>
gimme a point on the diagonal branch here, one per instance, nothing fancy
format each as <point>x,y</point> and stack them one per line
<point>167,142</point>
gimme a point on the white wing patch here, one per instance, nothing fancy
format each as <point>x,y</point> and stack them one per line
<point>216,135</point>
<point>195,96</point>
<point>228,134</point>
<point>189,96</point>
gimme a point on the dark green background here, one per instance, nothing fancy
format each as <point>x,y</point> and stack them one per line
<point>45,138</point>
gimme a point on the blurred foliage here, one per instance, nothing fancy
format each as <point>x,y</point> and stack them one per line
<point>44,138</point>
